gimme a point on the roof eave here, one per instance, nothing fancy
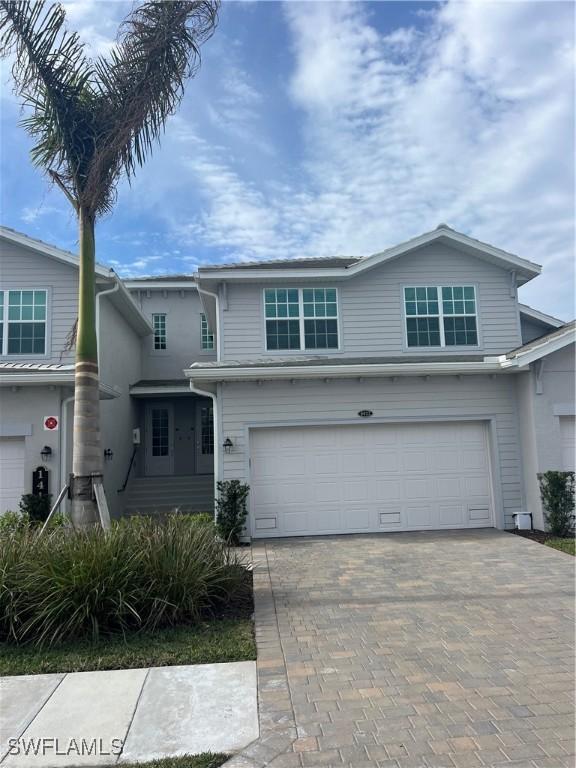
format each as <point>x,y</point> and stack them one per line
<point>525,270</point>
<point>144,285</point>
<point>59,379</point>
<point>342,371</point>
<point>547,347</point>
<point>540,317</point>
<point>50,250</point>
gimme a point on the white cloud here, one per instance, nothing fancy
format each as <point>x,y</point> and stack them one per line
<point>466,120</point>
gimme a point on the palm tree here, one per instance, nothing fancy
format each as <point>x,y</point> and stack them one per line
<point>94,121</point>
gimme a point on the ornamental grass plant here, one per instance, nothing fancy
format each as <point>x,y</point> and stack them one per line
<point>141,575</point>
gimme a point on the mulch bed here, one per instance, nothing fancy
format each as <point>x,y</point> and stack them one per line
<point>540,536</point>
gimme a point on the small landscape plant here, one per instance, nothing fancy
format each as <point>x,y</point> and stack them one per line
<point>37,508</point>
<point>557,492</point>
<point>140,575</point>
<point>231,509</point>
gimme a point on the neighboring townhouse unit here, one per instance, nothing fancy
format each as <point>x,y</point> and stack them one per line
<point>408,390</point>
<point>387,393</point>
<point>157,435</point>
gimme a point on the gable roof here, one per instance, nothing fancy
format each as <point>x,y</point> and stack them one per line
<point>541,347</point>
<point>58,254</point>
<point>120,297</point>
<point>540,317</point>
<point>348,266</point>
<point>323,262</point>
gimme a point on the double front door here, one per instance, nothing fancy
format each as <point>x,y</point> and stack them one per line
<point>178,440</point>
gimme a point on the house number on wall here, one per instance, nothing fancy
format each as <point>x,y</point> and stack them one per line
<point>365,414</point>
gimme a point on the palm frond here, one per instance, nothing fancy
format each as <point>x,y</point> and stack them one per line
<point>95,121</point>
<point>141,84</point>
<point>54,80</point>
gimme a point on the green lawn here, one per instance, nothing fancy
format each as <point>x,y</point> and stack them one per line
<point>564,545</point>
<point>205,760</point>
<point>208,642</point>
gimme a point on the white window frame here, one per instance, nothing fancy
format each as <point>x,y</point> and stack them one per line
<point>154,347</point>
<point>301,319</point>
<point>441,316</point>
<point>206,334</point>
<point>6,323</point>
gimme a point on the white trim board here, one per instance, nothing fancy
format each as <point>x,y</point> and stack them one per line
<point>524,269</point>
<point>540,317</point>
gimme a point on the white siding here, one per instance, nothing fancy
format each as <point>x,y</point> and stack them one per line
<point>22,413</point>
<point>183,347</point>
<point>532,329</point>
<point>316,402</point>
<point>22,268</point>
<point>539,417</point>
<point>120,366</point>
<point>371,307</point>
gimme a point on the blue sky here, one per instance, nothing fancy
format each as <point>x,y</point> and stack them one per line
<point>322,128</point>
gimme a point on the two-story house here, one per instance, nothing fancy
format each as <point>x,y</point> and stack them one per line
<point>408,390</point>
<point>157,436</point>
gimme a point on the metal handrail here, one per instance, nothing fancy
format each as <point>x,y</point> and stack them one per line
<point>134,452</point>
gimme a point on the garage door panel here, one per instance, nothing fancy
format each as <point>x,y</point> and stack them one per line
<point>327,491</point>
<point>451,515</point>
<point>356,490</point>
<point>415,461</point>
<point>264,496</point>
<point>295,521</point>
<point>264,466</point>
<point>386,462</point>
<point>325,464</point>
<point>11,473</point>
<point>449,487</point>
<point>417,488</point>
<point>419,516</point>
<point>446,458</point>
<point>294,492</point>
<point>371,477</point>
<point>473,458</point>
<point>327,519</point>
<point>387,490</point>
<point>475,487</point>
<point>355,464</point>
<point>357,518</point>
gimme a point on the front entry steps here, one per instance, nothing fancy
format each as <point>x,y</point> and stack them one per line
<point>159,495</point>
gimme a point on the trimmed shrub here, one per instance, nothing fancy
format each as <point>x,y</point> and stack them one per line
<point>557,492</point>
<point>36,507</point>
<point>141,574</point>
<point>231,509</point>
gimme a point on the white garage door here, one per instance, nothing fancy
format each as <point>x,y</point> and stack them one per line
<point>11,472</point>
<point>568,437</point>
<point>370,477</point>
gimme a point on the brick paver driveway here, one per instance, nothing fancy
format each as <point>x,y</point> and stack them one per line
<point>421,649</point>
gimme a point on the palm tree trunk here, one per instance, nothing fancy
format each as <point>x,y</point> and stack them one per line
<point>86,452</point>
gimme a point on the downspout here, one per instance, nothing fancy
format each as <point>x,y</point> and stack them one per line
<point>217,299</point>
<point>216,428</point>
<point>98,297</point>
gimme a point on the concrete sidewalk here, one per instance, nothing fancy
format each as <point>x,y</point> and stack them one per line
<point>133,715</point>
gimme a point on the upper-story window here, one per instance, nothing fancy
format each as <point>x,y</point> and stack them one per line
<point>159,325</point>
<point>206,338</point>
<point>301,318</point>
<point>441,316</point>
<point>23,322</point>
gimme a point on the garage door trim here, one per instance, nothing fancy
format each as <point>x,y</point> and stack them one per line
<point>488,420</point>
